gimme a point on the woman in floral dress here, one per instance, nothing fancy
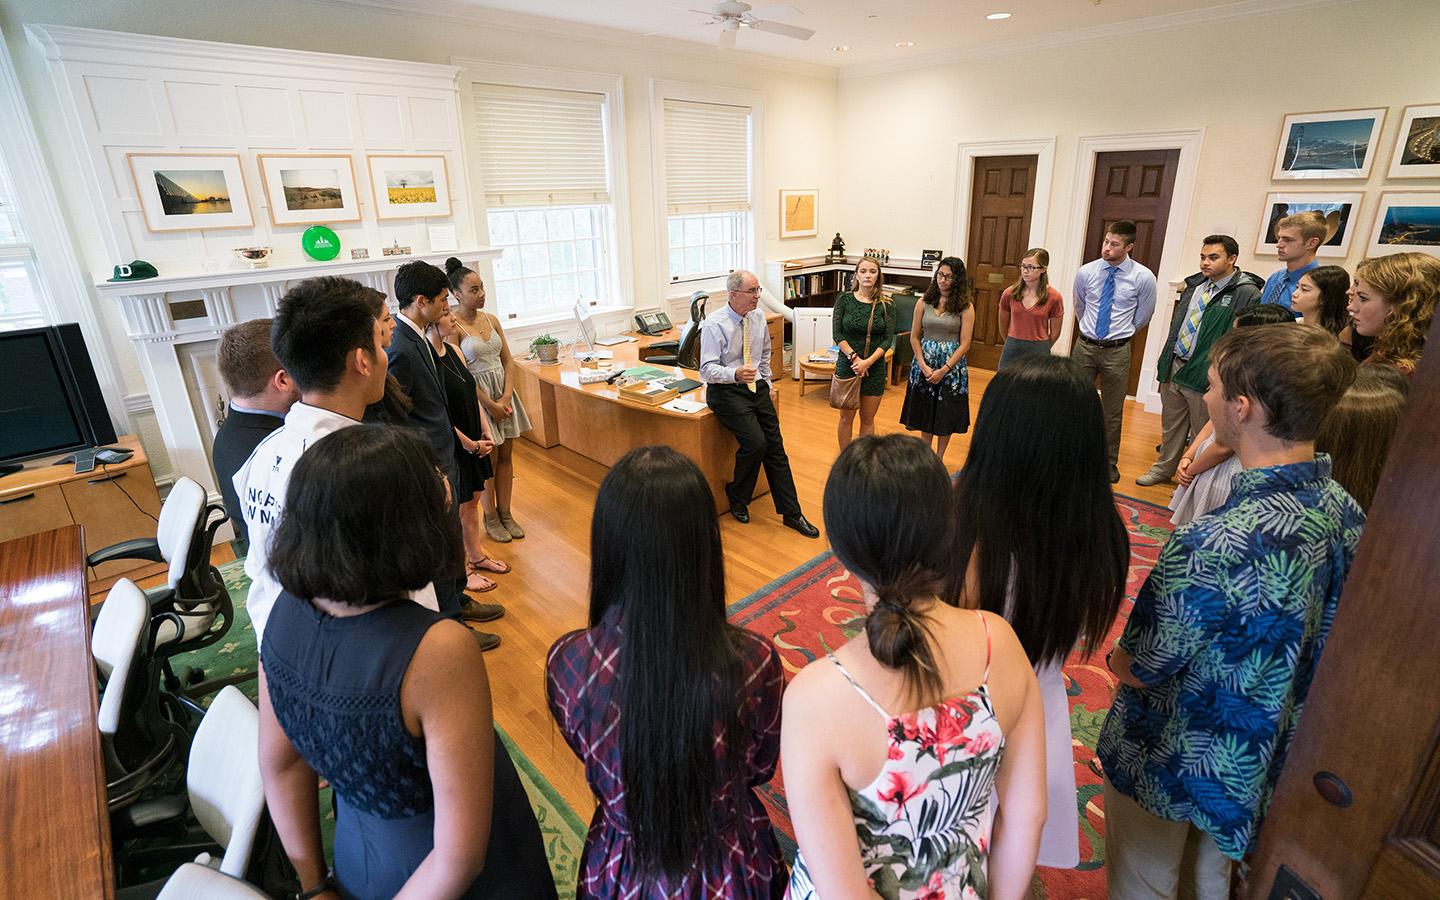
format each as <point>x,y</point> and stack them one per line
<point>937,397</point>
<point>900,736</point>
<point>675,713</point>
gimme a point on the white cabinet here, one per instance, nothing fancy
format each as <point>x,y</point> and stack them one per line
<point>812,335</point>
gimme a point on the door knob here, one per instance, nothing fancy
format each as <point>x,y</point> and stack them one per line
<point>1333,789</point>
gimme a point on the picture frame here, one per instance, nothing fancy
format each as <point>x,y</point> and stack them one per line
<point>1417,146</point>
<point>190,191</point>
<point>1407,221</point>
<point>929,258</point>
<point>309,188</point>
<point>1328,145</point>
<point>799,213</point>
<point>1342,211</point>
<point>409,186</point>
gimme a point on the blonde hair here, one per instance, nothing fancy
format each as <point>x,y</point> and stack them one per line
<point>1411,285</point>
<point>879,278</point>
<point>1310,224</point>
<point>1359,430</point>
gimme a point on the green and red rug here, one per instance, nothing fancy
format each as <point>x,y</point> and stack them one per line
<point>817,607</point>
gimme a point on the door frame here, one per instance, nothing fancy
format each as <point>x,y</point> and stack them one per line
<point>1188,142</point>
<point>966,154</point>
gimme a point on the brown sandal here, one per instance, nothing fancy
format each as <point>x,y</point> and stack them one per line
<point>488,564</point>
<point>476,583</point>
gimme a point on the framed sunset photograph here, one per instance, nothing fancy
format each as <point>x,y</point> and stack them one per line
<point>186,191</point>
<point>1406,222</point>
<point>309,188</point>
<point>1338,144</point>
<point>1340,212</point>
<point>409,187</point>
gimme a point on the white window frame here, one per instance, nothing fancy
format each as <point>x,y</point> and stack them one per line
<point>661,90</point>
<point>622,288</point>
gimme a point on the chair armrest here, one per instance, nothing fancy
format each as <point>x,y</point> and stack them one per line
<point>664,359</point>
<point>139,548</point>
<point>665,346</point>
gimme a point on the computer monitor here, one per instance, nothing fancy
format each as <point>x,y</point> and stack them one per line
<point>587,329</point>
<point>56,405</point>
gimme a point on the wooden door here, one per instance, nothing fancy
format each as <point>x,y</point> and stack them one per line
<point>1135,185</point>
<point>1369,729</point>
<point>1001,199</point>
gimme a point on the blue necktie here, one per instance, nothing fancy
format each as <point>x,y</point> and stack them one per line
<point>1107,300</point>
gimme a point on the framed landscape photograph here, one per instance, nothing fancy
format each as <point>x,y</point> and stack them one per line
<point>309,188</point>
<point>798,214</point>
<point>1407,222</point>
<point>1417,149</point>
<point>183,191</point>
<point>409,187</point>
<point>1340,211</point>
<point>1339,144</point>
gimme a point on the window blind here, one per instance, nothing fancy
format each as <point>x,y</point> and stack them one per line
<point>707,157</point>
<point>541,147</point>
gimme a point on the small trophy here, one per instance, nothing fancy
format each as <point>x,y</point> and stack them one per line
<point>837,250</point>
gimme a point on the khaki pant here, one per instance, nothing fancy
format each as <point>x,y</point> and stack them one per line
<point>1112,365</point>
<point>1182,414</point>
<point>1150,858</point>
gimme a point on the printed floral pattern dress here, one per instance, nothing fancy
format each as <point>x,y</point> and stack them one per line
<point>924,822</point>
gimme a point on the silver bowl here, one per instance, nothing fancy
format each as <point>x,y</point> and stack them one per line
<point>257,257</point>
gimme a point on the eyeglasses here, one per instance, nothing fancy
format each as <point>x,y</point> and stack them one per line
<point>754,290</point>
<point>1030,268</point>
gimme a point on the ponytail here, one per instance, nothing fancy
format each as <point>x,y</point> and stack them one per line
<point>456,272</point>
<point>899,636</point>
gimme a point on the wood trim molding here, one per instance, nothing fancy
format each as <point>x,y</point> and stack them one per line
<point>967,152</point>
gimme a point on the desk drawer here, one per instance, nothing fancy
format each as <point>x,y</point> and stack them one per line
<point>31,512</point>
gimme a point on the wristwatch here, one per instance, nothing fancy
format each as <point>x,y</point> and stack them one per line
<point>328,884</point>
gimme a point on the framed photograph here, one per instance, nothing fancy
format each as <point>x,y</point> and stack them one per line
<point>1407,222</point>
<point>183,191</point>
<point>1417,150</point>
<point>928,258</point>
<point>798,215</point>
<point>409,187</point>
<point>309,188</point>
<point>1337,144</point>
<point>1340,212</point>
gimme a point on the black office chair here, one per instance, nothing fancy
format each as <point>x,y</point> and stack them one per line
<point>685,352</point>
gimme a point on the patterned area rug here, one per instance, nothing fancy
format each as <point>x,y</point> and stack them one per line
<point>561,829</point>
<point>817,607</point>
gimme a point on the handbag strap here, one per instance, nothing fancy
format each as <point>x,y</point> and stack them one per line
<point>868,326</point>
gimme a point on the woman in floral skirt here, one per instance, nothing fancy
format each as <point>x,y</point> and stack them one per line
<point>937,399</point>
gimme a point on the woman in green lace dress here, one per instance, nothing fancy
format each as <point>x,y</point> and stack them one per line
<point>863,325</point>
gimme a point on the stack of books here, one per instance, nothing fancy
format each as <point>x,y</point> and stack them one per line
<point>648,393</point>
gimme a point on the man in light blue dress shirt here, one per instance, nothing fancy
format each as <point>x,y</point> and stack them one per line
<point>1297,239</point>
<point>1114,298</point>
<point>735,366</point>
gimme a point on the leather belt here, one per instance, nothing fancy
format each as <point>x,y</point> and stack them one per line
<point>1105,345</point>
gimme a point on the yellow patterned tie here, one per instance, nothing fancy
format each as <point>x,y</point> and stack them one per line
<point>745,348</point>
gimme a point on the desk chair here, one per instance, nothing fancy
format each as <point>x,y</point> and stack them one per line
<point>685,352</point>
<point>193,881</point>
<point>905,303</point>
<point>192,609</point>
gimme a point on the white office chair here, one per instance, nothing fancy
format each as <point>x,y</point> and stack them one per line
<point>193,881</point>
<point>119,628</point>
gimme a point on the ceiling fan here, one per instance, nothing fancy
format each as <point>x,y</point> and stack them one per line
<point>733,15</point>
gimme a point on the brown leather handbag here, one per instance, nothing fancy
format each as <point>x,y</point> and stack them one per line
<point>845,392</point>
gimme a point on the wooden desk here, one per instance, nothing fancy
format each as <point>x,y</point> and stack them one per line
<point>774,323</point>
<point>593,421</point>
<point>55,817</point>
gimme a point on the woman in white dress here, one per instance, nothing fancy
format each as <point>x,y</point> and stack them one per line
<point>1040,542</point>
<point>488,357</point>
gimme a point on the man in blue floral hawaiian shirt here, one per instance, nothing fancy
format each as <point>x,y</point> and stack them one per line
<point>1219,652</point>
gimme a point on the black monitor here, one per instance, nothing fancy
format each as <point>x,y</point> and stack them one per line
<point>50,400</point>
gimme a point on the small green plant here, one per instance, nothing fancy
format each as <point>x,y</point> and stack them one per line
<point>542,340</point>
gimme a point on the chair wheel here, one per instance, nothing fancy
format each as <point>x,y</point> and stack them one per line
<point>193,676</point>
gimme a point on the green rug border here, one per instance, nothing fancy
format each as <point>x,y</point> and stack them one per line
<point>542,783</point>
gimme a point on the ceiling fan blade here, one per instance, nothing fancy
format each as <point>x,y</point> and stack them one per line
<point>727,40</point>
<point>776,9</point>
<point>791,31</point>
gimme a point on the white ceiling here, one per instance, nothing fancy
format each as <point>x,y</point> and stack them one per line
<point>872,28</point>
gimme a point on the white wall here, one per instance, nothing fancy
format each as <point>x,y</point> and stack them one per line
<point>800,109</point>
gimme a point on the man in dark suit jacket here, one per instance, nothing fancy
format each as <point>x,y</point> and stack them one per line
<point>422,290</point>
<point>260,394</point>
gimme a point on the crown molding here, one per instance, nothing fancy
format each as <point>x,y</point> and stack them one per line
<point>1244,9</point>
<point>457,12</point>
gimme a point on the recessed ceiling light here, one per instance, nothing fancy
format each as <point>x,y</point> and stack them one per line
<point>996,17</point>
<point>840,48</point>
<point>904,43</point>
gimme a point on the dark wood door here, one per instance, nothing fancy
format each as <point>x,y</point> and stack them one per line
<point>1135,185</point>
<point>1001,200</point>
<point>1369,726</point>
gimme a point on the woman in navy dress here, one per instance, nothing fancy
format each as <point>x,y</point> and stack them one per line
<point>385,699</point>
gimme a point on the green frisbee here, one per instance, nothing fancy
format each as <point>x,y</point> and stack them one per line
<point>320,242</point>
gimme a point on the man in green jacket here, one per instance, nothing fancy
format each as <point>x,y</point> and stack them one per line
<point>1212,298</point>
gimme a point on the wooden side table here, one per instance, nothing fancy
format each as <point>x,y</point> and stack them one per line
<point>827,369</point>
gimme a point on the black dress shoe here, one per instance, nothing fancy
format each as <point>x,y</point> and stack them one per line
<point>486,640</point>
<point>740,511</point>
<point>801,524</point>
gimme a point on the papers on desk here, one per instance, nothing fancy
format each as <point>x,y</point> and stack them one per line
<point>682,405</point>
<point>612,341</point>
<point>598,354</point>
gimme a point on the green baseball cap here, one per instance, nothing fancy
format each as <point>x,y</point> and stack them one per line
<point>138,270</point>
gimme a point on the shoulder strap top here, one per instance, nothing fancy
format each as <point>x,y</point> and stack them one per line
<point>865,695</point>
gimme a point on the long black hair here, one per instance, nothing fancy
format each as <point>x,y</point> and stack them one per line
<point>960,288</point>
<point>888,517</point>
<point>1034,501</point>
<point>655,555</point>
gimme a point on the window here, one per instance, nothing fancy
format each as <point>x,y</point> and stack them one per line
<point>708,149</point>
<point>547,195</point>
<point>20,298</point>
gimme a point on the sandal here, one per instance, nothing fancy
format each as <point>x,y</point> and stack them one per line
<point>488,564</point>
<point>476,583</point>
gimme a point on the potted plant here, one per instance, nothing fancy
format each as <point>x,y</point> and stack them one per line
<point>546,348</point>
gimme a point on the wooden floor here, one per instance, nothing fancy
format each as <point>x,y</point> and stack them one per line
<point>545,594</point>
